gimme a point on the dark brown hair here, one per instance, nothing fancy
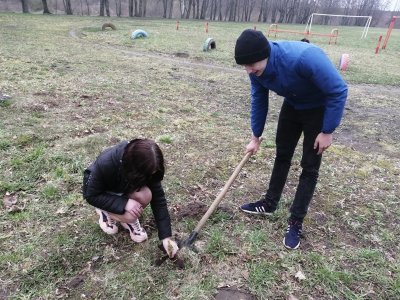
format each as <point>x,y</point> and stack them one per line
<point>142,163</point>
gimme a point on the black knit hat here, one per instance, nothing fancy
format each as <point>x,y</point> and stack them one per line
<point>251,46</point>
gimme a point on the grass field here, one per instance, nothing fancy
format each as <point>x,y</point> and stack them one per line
<point>74,90</point>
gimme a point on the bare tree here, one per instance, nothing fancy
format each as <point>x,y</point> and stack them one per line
<point>171,9</point>
<point>263,13</point>
<point>130,8</point>
<point>118,8</point>
<point>204,7</point>
<point>102,2</point>
<point>168,6</point>
<point>144,8</point>
<point>139,13</point>
<point>274,11</point>
<point>189,7</point>
<point>365,8</point>
<point>182,7</point>
<point>25,8</point>
<point>45,7</point>
<point>88,8</point>
<point>107,4</point>
<point>305,9</point>
<point>67,7</point>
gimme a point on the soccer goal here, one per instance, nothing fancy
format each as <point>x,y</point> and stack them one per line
<point>366,26</point>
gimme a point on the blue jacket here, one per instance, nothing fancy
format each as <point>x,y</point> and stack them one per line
<point>304,75</point>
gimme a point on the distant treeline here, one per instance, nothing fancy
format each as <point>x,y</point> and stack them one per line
<point>273,11</point>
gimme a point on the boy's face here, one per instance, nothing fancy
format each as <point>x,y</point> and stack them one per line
<point>256,68</point>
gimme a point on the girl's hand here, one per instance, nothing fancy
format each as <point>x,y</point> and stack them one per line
<point>134,208</point>
<point>170,246</point>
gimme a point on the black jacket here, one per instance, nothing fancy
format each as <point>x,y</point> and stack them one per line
<point>105,175</point>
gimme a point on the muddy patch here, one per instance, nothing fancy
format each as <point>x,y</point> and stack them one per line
<point>371,123</point>
<point>197,209</point>
<point>230,293</point>
<point>181,54</point>
<point>192,209</point>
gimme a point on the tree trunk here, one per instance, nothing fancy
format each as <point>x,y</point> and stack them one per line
<point>182,7</point>
<point>171,9</point>
<point>118,9</point>
<point>197,9</point>
<point>188,9</point>
<point>67,7</point>
<point>165,4</point>
<point>130,8</point>
<point>220,10</point>
<point>25,8</point>
<point>136,9</point>
<point>102,7</point>
<point>212,4</point>
<point>144,8</point>
<point>45,7</point>
<point>107,4</point>
<point>236,10</point>
<point>204,7</point>
<point>88,8</point>
<point>140,8</point>
<point>260,13</point>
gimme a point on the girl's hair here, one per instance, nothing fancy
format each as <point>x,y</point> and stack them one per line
<point>142,163</point>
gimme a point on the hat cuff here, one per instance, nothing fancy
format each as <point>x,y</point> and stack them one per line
<point>251,58</point>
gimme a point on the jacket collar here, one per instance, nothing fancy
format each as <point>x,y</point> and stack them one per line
<point>270,70</point>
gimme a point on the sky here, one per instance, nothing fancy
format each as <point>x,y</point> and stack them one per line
<point>394,5</point>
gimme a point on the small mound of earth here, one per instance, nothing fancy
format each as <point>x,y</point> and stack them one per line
<point>192,209</point>
<point>233,294</point>
<point>181,54</point>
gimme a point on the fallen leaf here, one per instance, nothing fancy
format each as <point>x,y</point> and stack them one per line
<point>300,275</point>
<point>60,211</point>
<point>10,200</point>
<point>291,297</point>
<point>13,209</point>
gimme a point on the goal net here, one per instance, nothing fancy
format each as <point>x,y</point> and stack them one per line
<point>366,26</point>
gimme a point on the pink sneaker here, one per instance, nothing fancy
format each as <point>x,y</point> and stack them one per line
<point>107,224</point>
<point>137,233</point>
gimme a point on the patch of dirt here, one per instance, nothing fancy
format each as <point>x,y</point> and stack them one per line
<point>3,294</point>
<point>196,209</point>
<point>181,54</point>
<point>230,293</point>
<point>192,209</point>
<point>371,128</point>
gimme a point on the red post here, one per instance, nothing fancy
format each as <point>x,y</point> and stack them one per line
<point>391,25</point>
<point>378,45</point>
<point>177,25</point>
<point>207,27</point>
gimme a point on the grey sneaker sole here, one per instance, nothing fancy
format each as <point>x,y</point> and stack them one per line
<point>256,212</point>
<point>290,248</point>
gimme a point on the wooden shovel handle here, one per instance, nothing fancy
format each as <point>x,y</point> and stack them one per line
<point>221,195</point>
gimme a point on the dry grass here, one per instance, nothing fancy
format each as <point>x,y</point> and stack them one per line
<point>75,91</point>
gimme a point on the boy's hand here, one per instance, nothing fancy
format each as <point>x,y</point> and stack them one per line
<point>322,142</point>
<point>254,145</point>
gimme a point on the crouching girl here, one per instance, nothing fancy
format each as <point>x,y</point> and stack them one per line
<point>121,182</point>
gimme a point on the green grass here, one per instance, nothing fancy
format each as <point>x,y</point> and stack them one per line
<point>76,90</point>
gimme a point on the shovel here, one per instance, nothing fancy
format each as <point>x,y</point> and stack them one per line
<point>193,235</point>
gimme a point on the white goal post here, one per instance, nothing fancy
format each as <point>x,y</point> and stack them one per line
<point>366,26</point>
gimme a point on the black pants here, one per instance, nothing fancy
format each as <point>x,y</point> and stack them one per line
<point>292,123</point>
